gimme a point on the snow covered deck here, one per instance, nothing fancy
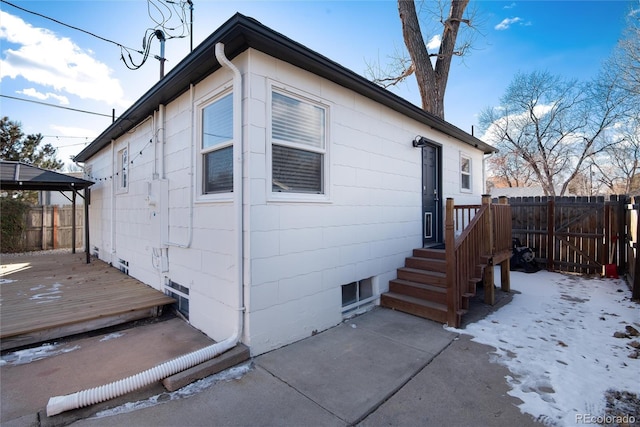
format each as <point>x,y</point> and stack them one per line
<point>48,295</point>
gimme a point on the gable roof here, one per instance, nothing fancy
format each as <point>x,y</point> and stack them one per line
<point>238,34</point>
<point>22,176</point>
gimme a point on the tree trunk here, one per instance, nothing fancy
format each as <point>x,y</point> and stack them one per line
<point>432,82</point>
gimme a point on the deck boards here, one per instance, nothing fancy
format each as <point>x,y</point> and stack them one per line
<point>48,295</point>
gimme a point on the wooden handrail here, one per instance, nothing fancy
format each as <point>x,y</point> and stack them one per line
<point>485,234</point>
<point>463,214</point>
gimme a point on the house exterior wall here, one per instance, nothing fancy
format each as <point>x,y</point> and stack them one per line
<point>154,215</point>
<point>302,251</point>
<point>298,250</point>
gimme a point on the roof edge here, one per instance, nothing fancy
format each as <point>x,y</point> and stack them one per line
<point>240,33</point>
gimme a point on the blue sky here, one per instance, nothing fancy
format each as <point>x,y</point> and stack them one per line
<point>44,61</point>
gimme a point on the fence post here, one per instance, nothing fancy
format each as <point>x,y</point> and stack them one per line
<point>635,291</point>
<point>488,279</point>
<point>55,223</point>
<point>44,227</point>
<point>505,265</point>
<point>73,222</point>
<point>453,299</point>
<point>622,237</point>
<point>551,224</point>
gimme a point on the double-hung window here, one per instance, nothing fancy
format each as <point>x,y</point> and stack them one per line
<point>465,173</point>
<point>298,145</point>
<point>217,146</point>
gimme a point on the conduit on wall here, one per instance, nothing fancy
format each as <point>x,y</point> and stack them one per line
<point>59,404</point>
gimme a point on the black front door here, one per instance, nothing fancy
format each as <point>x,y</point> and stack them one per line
<point>431,200</point>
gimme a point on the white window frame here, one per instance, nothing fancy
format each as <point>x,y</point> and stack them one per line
<point>463,173</point>
<point>201,196</point>
<point>360,301</point>
<point>123,177</point>
<point>276,196</point>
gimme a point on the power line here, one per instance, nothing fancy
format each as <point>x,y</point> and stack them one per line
<point>75,144</point>
<point>71,26</point>
<point>149,33</point>
<point>67,137</point>
<point>53,105</point>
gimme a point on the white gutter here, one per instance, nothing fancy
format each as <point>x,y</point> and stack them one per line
<point>59,404</point>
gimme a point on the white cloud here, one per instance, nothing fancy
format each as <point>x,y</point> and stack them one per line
<point>507,22</point>
<point>33,93</point>
<point>510,6</point>
<point>514,122</point>
<point>46,59</point>
<point>434,43</point>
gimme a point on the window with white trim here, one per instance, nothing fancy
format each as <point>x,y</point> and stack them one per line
<point>465,172</point>
<point>217,146</point>
<point>123,169</point>
<point>298,145</point>
<point>357,294</point>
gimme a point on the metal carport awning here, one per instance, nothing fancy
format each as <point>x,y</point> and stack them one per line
<point>25,177</point>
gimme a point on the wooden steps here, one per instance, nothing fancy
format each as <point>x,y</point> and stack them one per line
<point>416,306</point>
<point>421,286</point>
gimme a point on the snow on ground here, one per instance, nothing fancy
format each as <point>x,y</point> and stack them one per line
<point>29,355</point>
<point>112,336</point>
<point>230,374</point>
<point>48,294</point>
<point>556,337</point>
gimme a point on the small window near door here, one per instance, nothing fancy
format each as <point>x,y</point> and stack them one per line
<point>465,173</point>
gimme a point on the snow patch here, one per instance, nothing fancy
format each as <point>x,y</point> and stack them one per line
<point>6,281</point>
<point>556,339</point>
<point>29,355</point>
<point>230,374</point>
<point>51,293</point>
<point>111,336</point>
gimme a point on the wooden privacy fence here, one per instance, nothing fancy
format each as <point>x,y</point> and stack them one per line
<point>573,234</point>
<point>49,227</point>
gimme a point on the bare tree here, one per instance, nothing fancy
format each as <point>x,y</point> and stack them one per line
<point>622,167</point>
<point>554,125</point>
<point>431,76</point>
<point>509,170</point>
<point>620,170</point>
<point>627,54</point>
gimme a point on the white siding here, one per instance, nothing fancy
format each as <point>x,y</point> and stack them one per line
<point>297,253</point>
<point>301,253</point>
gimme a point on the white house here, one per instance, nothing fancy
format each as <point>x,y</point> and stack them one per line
<point>270,189</point>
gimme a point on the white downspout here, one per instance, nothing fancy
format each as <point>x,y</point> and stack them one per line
<point>114,181</point>
<point>161,139</point>
<point>59,404</point>
<point>238,164</point>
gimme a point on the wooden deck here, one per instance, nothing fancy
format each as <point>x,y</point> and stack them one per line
<point>44,296</point>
